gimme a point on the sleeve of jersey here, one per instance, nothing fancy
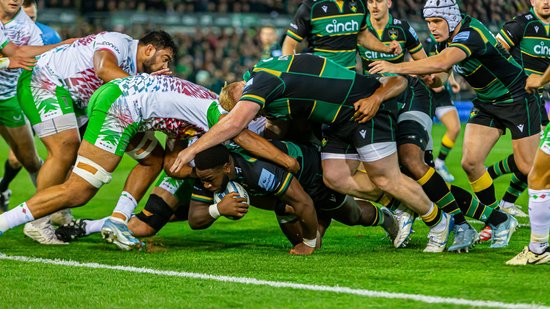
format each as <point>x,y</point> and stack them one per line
<point>412,43</point>
<point>512,32</point>
<point>3,40</point>
<point>113,42</point>
<point>36,36</point>
<point>300,25</point>
<point>201,195</point>
<point>262,88</point>
<point>469,41</point>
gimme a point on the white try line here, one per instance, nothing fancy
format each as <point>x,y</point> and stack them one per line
<point>278,284</point>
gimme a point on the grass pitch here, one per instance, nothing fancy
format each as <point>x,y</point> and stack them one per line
<point>352,257</point>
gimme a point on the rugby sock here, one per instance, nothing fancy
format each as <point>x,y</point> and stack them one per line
<point>15,217</point>
<point>502,167</point>
<point>539,216</point>
<point>485,190</point>
<point>437,190</point>
<point>446,145</point>
<point>432,217</point>
<point>518,184</point>
<point>9,175</point>
<point>473,208</point>
<point>125,206</point>
<point>371,215</point>
<point>388,201</point>
<point>94,226</point>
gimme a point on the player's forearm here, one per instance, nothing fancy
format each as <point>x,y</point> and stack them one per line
<point>391,87</point>
<point>289,46</point>
<point>263,149</point>
<point>428,65</point>
<point>369,41</point>
<point>224,130</point>
<point>33,51</point>
<point>545,77</point>
<point>199,217</point>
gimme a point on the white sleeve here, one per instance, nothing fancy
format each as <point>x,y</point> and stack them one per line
<point>116,43</point>
<point>35,36</point>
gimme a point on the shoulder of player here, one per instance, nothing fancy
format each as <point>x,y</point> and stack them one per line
<point>525,18</point>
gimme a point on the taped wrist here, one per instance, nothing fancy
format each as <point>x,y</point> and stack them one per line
<point>156,212</point>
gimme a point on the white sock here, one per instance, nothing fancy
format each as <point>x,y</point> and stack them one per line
<point>126,205</point>
<point>442,223</point>
<point>539,216</point>
<point>439,163</point>
<point>15,217</point>
<point>94,226</point>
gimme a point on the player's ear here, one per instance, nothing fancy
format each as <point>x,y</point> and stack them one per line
<point>227,168</point>
<point>150,50</point>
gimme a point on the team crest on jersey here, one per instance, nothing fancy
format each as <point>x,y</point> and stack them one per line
<point>393,33</point>
<point>353,6</point>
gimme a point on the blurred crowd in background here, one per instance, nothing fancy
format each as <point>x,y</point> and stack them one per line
<point>211,56</point>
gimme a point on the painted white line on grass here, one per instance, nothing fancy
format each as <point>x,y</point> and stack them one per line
<point>279,284</point>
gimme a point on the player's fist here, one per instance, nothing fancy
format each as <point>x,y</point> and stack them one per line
<point>233,206</point>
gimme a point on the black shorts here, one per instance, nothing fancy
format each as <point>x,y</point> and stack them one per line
<point>366,142</point>
<point>442,99</point>
<point>522,117</point>
<point>418,97</point>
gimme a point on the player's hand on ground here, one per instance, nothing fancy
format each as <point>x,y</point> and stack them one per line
<point>26,63</point>
<point>166,71</point>
<point>533,83</point>
<point>302,249</point>
<point>184,157</point>
<point>395,47</point>
<point>233,206</point>
<point>366,108</point>
<point>381,67</point>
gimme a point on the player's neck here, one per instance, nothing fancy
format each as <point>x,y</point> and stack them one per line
<point>544,20</point>
<point>6,18</point>
<point>380,24</point>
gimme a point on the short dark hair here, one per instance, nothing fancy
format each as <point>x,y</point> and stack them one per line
<point>213,157</point>
<point>160,40</point>
<point>27,3</point>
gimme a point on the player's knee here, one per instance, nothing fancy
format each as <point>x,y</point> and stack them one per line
<point>414,165</point>
<point>156,213</point>
<point>384,182</point>
<point>332,181</point>
<point>93,173</point>
<point>469,165</point>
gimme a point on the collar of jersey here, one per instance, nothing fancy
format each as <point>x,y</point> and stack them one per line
<point>369,23</point>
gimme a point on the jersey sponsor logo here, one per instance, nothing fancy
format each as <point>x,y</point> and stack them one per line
<point>336,27</point>
<point>370,54</point>
<point>541,49</point>
<point>110,45</point>
<point>267,180</point>
<point>397,22</point>
<point>17,118</point>
<point>529,17</point>
<point>325,8</point>
<point>461,37</point>
<point>537,29</point>
<point>293,26</point>
<point>458,69</point>
<point>363,133</point>
<point>393,33</point>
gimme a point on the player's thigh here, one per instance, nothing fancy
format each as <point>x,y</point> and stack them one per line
<point>478,142</point>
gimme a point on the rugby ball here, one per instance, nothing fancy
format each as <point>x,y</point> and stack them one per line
<point>232,186</point>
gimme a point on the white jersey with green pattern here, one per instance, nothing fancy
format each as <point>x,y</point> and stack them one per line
<point>4,40</point>
<point>22,31</point>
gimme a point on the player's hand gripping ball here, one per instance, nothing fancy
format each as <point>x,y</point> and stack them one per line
<point>231,187</point>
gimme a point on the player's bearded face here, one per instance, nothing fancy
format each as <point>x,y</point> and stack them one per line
<point>541,7</point>
<point>160,59</point>
<point>438,28</point>
<point>10,6</point>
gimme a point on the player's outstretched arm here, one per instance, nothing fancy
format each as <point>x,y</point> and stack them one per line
<point>289,46</point>
<point>390,87</point>
<point>366,39</point>
<point>441,62</point>
<point>227,128</point>
<point>297,198</point>
<point>173,147</point>
<point>30,51</point>
<point>263,149</point>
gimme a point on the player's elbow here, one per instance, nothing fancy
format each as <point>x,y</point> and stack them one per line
<point>197,224</point>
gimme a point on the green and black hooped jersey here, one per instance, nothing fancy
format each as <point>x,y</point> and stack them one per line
<point>493,73</point>
<point>264,178</point>
<point>395,30</point>
<point>305,86</point>
<point>529,41</point>
<point>331,28</point>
